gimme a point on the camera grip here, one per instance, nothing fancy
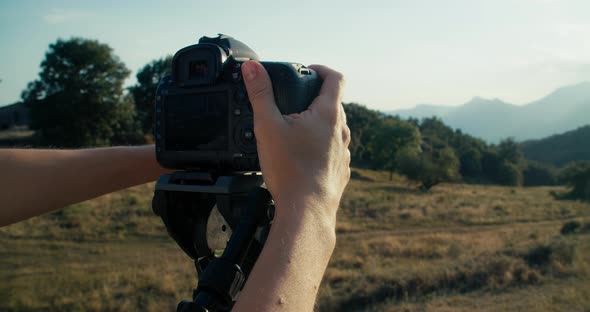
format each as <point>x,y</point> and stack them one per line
<point>294,86</point>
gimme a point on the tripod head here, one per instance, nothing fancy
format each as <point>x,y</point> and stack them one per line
<point>185,201</point>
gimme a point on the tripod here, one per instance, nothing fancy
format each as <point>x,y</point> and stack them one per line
<point>185,200</point>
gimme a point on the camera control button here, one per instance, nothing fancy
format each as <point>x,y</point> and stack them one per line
<point>236,73</point>
<point>248,134</point>
<point>244,136</point>
<point>237,112</point>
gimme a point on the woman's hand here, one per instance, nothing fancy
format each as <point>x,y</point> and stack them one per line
<point>303,156</point>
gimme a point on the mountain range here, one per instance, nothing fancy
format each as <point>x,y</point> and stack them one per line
<point>493,119</point>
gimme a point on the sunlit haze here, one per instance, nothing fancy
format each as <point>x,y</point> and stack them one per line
<point>395,54</point>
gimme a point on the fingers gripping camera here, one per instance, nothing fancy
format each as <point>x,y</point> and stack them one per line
<point>203,115</point>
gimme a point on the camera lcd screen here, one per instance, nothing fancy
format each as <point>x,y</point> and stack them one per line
<point>197,122</point>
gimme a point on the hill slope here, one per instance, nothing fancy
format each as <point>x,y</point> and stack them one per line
<point>492,120</point>
<point>560,149</point>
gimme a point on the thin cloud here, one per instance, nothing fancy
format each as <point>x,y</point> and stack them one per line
<point>60,16</point>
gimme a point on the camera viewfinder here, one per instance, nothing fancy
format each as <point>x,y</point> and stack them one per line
<point>198,69</point>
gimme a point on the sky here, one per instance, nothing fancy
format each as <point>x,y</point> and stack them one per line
<point>394,54</point>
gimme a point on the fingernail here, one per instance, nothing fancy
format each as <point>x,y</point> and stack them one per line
<point>249,71</point>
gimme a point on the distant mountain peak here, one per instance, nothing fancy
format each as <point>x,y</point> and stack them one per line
<point>424,105</point>
<point>494,119</point>
<point>572,94</point>
<point>480,101</point>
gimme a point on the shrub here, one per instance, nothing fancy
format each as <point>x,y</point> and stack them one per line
<point>537,174</point>
<point>538,256</point>
<point>555,253</point>
<point>570,227</point>
<point>577,177</point>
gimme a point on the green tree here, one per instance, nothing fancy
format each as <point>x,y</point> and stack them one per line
<point>510,151</point>
<point>434,129</point>
<point>470,159</point>
<point>537,174</point>
<point>78,99</point>
<point>128,129</point>
<point>144,91</point>
<point>361,122</point>
<point>509,174</point>
<point>388,137</point>
<point>504,164</point>
<point>430,167</point>
<point>577,177</point>
<point>468,149</point>
<point>510,170</point>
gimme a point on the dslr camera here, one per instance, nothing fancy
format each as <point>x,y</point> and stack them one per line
<point>203,117</point>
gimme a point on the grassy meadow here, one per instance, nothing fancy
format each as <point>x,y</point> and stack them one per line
<point>456,248</point>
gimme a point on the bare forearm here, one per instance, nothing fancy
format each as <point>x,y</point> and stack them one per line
<point>39,181</point>
<point>290,268</point>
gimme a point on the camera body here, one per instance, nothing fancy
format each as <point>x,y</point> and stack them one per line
<point>203,117</point>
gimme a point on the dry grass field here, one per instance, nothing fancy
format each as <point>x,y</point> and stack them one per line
<point>456,248</point>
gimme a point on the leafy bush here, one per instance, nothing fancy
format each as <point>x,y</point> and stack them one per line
<point>555,253</point>
<point>509,174</point>
<point>538,174</point>
<point>390,136</point>
<point>429,168</point>
<point>577,177</point>
<point>570,227</point>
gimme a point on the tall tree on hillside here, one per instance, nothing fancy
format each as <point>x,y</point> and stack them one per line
<point>510,170</point>
<point>510,151</point>
<point>361,122</point>
<point>538,174</point>
<point>144,91</point>
<point>390,136</point>
<point>430,166</point>
<point>577,177</point>
<point>470,162</point>
<point>469,150</point>
<point>434,128</point>
<point>78,99</point>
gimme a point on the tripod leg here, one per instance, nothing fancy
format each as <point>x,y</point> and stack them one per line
<point>225,276</point>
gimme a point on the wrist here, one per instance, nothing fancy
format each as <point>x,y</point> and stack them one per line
<point>129,165</point>
<point>319,203</point>
<point>312,214</point>
<point>144,158</point>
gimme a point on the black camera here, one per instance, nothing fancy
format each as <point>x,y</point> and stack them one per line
<point>203,115</point>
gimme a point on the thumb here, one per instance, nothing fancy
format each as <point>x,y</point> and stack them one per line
<point>259,87</point>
